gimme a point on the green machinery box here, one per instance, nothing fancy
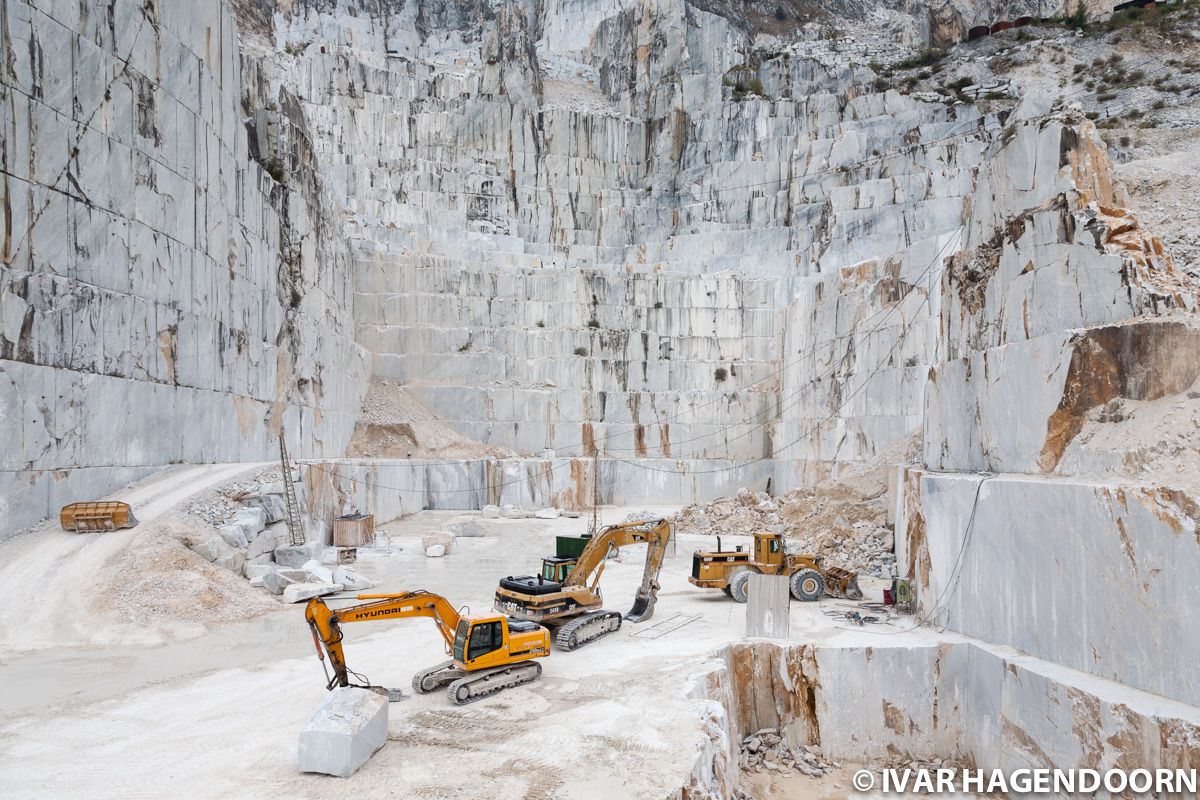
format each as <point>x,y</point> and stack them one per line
<point>570,546</point>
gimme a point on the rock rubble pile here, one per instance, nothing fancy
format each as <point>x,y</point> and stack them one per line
<point>247,535</point>
<point>766,750</point>
<point>846,532</point>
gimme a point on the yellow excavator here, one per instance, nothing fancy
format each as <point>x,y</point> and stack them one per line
<point>572,606</point>
<point>490,652</point>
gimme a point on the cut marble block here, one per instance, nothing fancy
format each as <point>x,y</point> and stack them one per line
<point>344,732</point>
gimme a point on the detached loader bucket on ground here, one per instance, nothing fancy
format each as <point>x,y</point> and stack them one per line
<point>104,515</point>
<point>842,583</point>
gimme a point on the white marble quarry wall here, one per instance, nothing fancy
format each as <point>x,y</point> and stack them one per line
<point>961,699</point>
<point>163,299</point>
<point>620,256</point>
<point>392,488</point>
<point>1092,576</point>
<point>1059,303</point>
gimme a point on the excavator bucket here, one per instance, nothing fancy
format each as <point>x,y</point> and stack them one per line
<point>842,583</point>
<point>105,515</point>
<point>643,606</point>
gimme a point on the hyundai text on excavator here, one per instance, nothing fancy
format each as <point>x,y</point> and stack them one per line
<point>572,604</point>
<point>729,570</point>
<point>490,652</point>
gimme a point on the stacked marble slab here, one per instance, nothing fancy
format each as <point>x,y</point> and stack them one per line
<point>143,321</point>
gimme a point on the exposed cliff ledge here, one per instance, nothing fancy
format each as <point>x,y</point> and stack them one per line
<point>164,299</point>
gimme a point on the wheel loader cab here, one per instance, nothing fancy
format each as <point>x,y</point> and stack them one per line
<point>768,549</point>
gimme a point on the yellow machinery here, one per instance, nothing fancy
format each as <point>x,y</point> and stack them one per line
<point>490,652</point>
<point>729,570</point>
<point>102,515</point>
<point>572,605</point>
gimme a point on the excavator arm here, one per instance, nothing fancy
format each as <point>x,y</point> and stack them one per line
<point>653,533</point>
<point>325,623</point>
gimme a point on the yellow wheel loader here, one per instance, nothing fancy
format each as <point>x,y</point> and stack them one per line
<point>572,605</point>
<point>490,653</point>
<point>730,570</point>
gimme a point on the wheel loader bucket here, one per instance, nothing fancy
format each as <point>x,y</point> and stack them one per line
<point>842,583</point>
<point>105,515</point>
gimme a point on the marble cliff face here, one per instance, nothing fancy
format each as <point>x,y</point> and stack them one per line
<point>657,228</point>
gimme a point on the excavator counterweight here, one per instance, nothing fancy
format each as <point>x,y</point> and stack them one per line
<point>573,606</point>
<point>489,653</point>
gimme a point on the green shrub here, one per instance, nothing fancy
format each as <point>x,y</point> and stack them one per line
<point>720,374</point>
<point>581,351</point>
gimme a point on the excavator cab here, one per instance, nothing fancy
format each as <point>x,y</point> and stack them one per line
<point>474,639</point>
<point>768,550</point>
<point>556,569</point>
<point>481,642</point>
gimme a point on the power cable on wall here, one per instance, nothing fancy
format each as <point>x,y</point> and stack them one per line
<point>955,570</point>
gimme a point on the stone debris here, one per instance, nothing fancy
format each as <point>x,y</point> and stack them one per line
<point>233,535</point>
<point>234,560</point>
<point>546,513</point>
<point>253,571</point>
<point>296,556</point>
<point>269,498</point>
<point>435,551</point>
<point>512,512</point>
<point>349,726</point>
<point>466,529</point>
<point>490,512</point>
<point>251,520</point>
<point>278,580</point>
<point>247,517</point>
<point>299,592</point>
<point>766,751</point>
<point>210,549</point>
<point>317,571</point>
<point>393,424</point>
<point>351,580</point>
<point>843,520</point>
<point>443,539</point>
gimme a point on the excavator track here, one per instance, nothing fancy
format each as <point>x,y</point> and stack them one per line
<point>437,676</point>
<point>587,629</point>
<point>477,685</point>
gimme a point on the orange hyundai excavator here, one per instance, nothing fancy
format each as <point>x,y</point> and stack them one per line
<point>490,652</point>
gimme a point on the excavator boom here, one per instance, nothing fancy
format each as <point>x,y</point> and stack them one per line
<point>325,622</point>
<point>490,653</point>
<point>574,606</point>
<point>653,533</point>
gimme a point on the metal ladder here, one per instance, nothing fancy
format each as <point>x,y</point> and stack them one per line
<point>295,528</point>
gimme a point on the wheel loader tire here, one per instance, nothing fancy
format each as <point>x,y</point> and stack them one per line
<point>728,593</point>
<point>807,585</point>
<point>739,585</point>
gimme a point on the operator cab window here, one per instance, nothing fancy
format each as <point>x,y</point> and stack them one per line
<point>774,545</point>
<point>485,637</point>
